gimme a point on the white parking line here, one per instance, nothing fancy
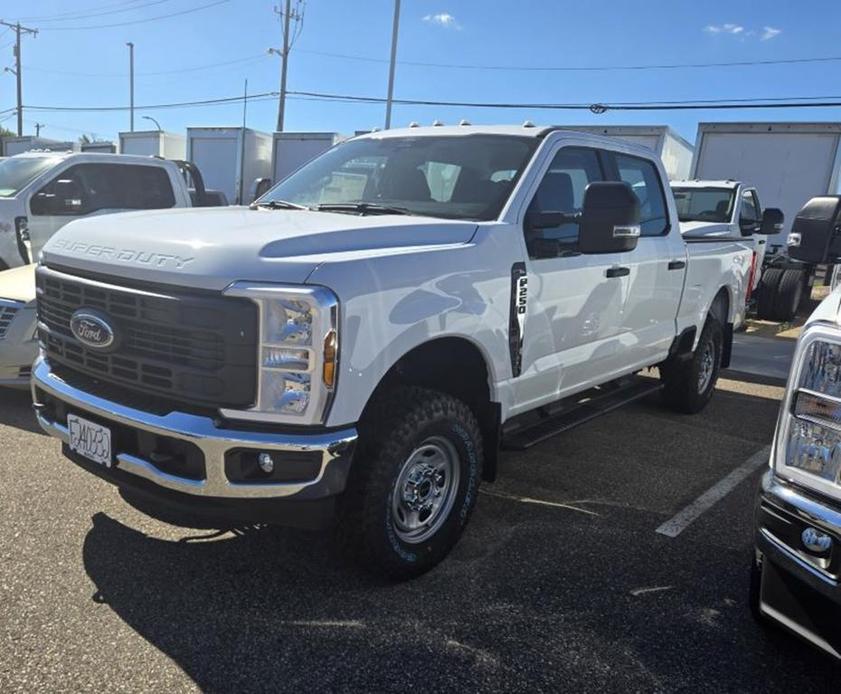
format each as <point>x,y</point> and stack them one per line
<point>677,524</point>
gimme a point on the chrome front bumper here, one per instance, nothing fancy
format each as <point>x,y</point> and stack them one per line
<point>335,447</point>
<point>800,590</point>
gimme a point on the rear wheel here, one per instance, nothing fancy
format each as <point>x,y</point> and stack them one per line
<point>766,293</point>
<point>413,484</point>
<point>789,295</point>
<point>688,384</point>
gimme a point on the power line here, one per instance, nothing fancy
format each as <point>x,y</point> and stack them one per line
<point>581,68</point>
<point>70,17</point>
<point>663,105</point>
<point>140,21</point>
<point>77,11</point>
<point>197,68</point>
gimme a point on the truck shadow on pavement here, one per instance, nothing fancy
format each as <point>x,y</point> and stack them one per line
<point>16,411</point>
<point>277,610</point>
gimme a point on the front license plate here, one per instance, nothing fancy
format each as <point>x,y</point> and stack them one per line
<point>90,440</point>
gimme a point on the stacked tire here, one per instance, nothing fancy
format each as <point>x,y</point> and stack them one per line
<point>780,293</point>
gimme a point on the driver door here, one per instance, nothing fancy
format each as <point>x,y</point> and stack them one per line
<point>60,201</point>
<point>574,319</point>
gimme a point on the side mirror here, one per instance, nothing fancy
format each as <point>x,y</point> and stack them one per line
<point>610,218</point>
<point>816,232</point>
<point>772,222</point>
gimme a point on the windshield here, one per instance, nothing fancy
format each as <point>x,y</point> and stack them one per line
<point>456,177</point>
<point>16,172</point>
<point>704,204</point>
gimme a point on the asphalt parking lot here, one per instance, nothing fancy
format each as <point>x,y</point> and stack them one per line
<point>560,583</point>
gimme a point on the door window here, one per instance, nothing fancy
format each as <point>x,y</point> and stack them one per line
<point>87,188</point>
<point>562,190</point>
<point>644,179</point>
<point>750,210</point>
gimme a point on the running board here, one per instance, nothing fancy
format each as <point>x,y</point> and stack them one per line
<point>531,428</point>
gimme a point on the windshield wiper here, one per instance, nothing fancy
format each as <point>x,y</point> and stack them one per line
<point>278,205</point>
<point>361,208</point>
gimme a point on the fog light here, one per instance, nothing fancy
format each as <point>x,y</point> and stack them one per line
<point>266,463</point>
<point>815,541</point>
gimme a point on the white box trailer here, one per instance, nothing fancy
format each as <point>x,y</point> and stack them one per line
<point>153,143</point>
<point>673,150</point>
<point>290,151</point>
<point>231,159</point>
<point>100,146</point>
<point>789,163</point>
<point>26,143</point>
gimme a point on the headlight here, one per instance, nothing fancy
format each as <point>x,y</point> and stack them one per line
<point>297,355</point>
<point>808,442</point>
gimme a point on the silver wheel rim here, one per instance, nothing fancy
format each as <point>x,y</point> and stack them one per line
<point>425,490</point>
<point>705,373</point>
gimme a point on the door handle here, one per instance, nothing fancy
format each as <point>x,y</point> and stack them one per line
<point>677,264</point>
<point>617,271</point>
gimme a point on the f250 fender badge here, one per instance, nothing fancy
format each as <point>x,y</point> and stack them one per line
<point>92,329</point>
<point>517,320</point>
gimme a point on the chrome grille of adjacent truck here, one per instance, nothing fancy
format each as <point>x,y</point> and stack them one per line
<point>190,347</point>
<point>8,311</point>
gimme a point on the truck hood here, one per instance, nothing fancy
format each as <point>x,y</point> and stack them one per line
<point>18,284</point>
<point>210,248</point>
<point>705,229</point>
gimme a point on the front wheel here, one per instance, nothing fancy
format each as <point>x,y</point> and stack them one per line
<point>688,384</point>
<point>413,484</point>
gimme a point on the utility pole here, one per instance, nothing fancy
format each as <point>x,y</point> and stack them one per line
<point>38,127</point>
<point>131,84</point>
<point>17,70</point>
<point>394,32</point>
<point>288,17</point>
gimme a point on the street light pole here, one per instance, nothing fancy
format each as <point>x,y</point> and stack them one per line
<point>394,31</point>
<point>131,84</point>
<point>155,121</point>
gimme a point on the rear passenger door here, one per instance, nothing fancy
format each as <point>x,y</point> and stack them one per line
<point>572,327</point>
<point>657,265</point>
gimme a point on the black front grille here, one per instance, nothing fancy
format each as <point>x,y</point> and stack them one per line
<point>193,348</point>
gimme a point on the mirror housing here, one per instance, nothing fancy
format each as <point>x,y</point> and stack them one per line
<point>816,232</point>
<point>610,218</point>
<point>772,222</point>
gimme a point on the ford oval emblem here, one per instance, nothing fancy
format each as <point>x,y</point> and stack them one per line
<point>92,329</point>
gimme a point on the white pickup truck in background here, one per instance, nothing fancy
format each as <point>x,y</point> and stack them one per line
<point>41,192</point>
<point>728,209</point>
<point>366,338</point>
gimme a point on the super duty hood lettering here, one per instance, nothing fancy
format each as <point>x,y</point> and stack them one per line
<point>210,248</point>
<point>123,255</point>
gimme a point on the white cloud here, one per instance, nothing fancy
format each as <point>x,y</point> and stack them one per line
<point>724,28</point>
<point>443,19</point>
<point>769,33</point>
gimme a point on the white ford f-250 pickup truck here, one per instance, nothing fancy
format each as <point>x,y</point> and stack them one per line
<point>366,338</point>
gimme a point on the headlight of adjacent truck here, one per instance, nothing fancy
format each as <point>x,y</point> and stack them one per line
<point>298,353</point>
<point>808,444</point>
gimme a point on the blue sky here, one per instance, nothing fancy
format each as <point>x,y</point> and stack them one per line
<point>65,66</point>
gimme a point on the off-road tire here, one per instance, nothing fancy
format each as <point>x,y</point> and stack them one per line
<point>788,295</point>
<point>397,424</point>
<point>766,293</point>
<point>681,378</point>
